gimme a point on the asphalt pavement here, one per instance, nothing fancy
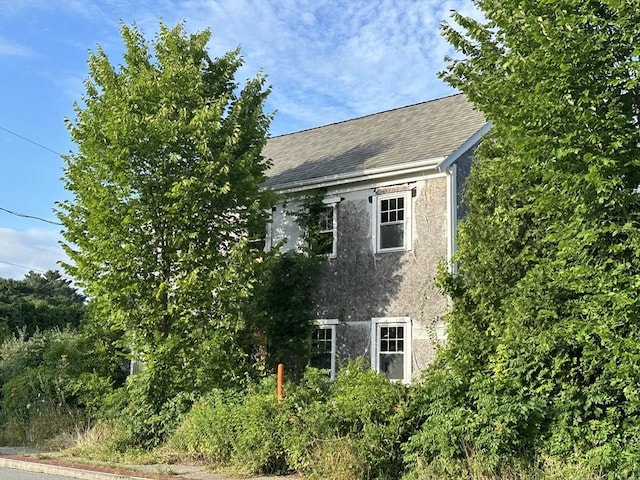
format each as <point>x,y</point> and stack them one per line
<point>14,474</point>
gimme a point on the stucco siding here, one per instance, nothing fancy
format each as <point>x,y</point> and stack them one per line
<point>360,284</point>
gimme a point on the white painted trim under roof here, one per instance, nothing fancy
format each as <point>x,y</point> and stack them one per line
<point>370,174</point>
<point>452,214</point>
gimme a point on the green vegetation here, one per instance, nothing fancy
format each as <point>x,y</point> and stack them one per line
<point>352,428</point>
<point>355,428</point>
<point>543,352</point>
<point>53,383</point>
<point>281,309</point>
<point>280,313</point>
<point>165,188</point>
<point>38,302</point>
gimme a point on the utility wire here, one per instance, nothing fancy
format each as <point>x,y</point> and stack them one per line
<point>30,141</point>
<point>29,216</point>
<point>22,266</point>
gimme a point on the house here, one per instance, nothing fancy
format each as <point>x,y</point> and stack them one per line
<point>391,186</point>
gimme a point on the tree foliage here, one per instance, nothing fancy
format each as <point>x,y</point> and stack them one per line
<point>39,302</point>
<point>281,309</point>
<point>165,186</point>
<point>543,354</point>
<point>282,312</point>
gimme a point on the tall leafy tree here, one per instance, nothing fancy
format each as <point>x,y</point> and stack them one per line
<point>165,186</point>
<point>39,302</point>
<point>544,339</point>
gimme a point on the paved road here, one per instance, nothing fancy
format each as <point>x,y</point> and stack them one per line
<point>14,474</point>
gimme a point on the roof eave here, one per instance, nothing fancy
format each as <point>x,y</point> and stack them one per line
<point>364,175</point>
<point>471,141</point>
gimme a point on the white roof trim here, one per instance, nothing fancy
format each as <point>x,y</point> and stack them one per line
<point>447,162</point>
<point>373,173</point>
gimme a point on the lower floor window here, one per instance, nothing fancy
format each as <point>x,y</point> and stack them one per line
<point>391,352</point>
<point>323,346</point>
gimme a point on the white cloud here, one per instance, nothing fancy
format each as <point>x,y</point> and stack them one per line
<point>33,249</point>
<point>329,60</point>
<point>12,49</point>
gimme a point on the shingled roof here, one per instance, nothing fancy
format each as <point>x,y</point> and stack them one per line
<point>423,134</point>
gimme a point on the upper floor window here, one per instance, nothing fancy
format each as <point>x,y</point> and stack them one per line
<point>392,228</point>
<point>326,241</point>
<point>392,223</point>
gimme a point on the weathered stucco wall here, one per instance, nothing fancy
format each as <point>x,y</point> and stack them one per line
<point>359,284</point>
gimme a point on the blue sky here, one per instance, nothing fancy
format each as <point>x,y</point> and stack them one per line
<point>326,60</point>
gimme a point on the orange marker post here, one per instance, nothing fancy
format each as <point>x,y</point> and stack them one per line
<point>280,381</point>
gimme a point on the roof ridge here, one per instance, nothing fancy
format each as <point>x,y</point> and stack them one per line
<point>366,116</point>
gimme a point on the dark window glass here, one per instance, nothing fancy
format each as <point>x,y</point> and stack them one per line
<point>392,223</point>
<point>392,235</point>
<point>324,241</point>
<point>391,351</point>
<point>392,365</point>
<point>321,349</point>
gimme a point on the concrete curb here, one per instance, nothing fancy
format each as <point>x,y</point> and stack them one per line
<point>29,461</point>
<point>38,467</point>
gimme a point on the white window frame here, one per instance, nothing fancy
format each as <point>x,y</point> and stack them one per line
<point>330,324</point>
<point>331,230</point>
<point>407,196</point>
<point>332,203</point>
<point>404,322</point>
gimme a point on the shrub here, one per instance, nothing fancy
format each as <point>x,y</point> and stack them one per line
<point>238,432</point>
<point>36,406</point>
<point>260,420</point>
<point>307,418</point>
<point>358,421</point>
<point>370,411</point>
<point>141,418</point>
<point>50,386</point>
<point>205,431</point>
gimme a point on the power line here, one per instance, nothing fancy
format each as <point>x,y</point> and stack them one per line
<point>30,141</point>
<point>22,266</point>
<point>29,216</point>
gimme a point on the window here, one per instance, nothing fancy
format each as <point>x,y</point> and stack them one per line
<point>392,230</point>
<point>391,355</point>
<point>326,229</point>
<point>258,243</point>
<point>323,346</point>
<point>324,240</point>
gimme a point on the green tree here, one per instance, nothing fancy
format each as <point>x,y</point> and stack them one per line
<point>39,302</point>
<point>543,354</point>
<point>165,188</point>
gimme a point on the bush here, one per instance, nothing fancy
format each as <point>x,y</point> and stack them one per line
<point>36,406</point>
<point>359,421</point>
<point>238,432</point>
<point>50,386</point>
<point>205,432</point>
<point>140,417</point>
<point>369,411</point>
